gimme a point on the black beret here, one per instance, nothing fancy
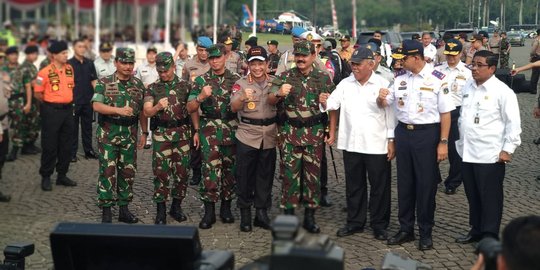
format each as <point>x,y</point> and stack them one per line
<point>31,49</point>
<point>12,49</point>
<point>58,47</point>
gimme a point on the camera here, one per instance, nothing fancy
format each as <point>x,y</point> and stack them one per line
<point>15,255</point>
<point>490,248</point>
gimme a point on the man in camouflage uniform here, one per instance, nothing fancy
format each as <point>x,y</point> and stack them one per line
<point>303,131</point>
<point>10,67</point>
<point>211,93</point>
<point>256,146</point>
<point>273,56</point>
<point>197,66</point>
<point>165,101</point>
<point>24,112</point>
<point>118,98</point>
<point>504,51</point>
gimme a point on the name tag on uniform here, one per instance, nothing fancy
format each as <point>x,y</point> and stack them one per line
<point>460,77</point>
<point>426,89</point>
<point>111,89</point>
<point>402,88</point>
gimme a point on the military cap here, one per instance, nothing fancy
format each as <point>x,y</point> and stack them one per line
<point>398,54</point>
<point>252,41</point>
<point>214,51</point>
<point>483,34</point>
<point>58,46</point>
<point>125,55</point>
<point>411,47</point>
<point>31,49</point>
<point>297,31</point>
<point>257,53</point>
<point>228,41</point>
<point>164,61</point>
<point>151,49</point>
<point>452,47</point>
<point>304,47</point>
<point>105,46</point>
<point>272,42</point>
<point>311,36</point>
<point>374,47</point>
<point>11,50</point>
<point>345,38</point>
<point>360,54</point>
<point>204,42</point>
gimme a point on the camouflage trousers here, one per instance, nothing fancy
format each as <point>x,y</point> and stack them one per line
<point>218,165</point>
<point>25,127</point>
<point>301,175</point>
<point>504,60</point>
<point>117,167</point>
<point>170,160</point>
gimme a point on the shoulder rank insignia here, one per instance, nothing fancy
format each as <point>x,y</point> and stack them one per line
<point>439,75</point>
<point>399,73</point>
<point>439,64</point>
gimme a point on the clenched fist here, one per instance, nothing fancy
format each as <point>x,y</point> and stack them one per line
<point>285,89</point>
<point>383,92</point>
<point>125,111</point>
<point>323,97</point>
<point>163,103</point>
<point>206,91</point>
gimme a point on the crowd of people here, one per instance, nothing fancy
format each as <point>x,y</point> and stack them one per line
<point>225,114</point>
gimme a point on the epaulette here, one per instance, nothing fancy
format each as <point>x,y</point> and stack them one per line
<point>438,64</point>
<point>399,73</point>
<point>439,75</point>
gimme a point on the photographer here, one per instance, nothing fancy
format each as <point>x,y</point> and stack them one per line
<point>519,247</point>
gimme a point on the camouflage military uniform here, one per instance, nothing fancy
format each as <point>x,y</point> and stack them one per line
<point>504,54</point>
<point>25,126</point>
<point>170,138</point>
<point>217,139</point>
<point>44,63</point>
<point>116,140</point>
<point>303,133</point>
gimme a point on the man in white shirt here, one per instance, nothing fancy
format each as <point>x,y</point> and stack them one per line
<point>366,136</point>
<point>457,75</point>
<point>490,131</point>
<point>104,63</point>
<point>429,50</point>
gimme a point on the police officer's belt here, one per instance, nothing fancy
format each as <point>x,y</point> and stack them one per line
<point>124,121</point>
<point>258,122</point>
<point>156,122</point>
<point>59,106</point>
<point>16,96</point>
<point>418,127</point>
<point>213,115</point>
<point>308,122</point>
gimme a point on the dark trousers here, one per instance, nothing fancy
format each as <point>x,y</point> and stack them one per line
<point>4,147</point>
<point>417,176</point>
<point>324,173</point>
<point>83,114</point>
<point>254,175</point>
<point>56,139</point>
<point>454,173</point>
<point>484,189</point>
<point>378,172</point>
<point>534,77</point>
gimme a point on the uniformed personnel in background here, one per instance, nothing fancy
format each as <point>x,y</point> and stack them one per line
<point>104,63</point>
<point>286,61</point>
<point>118,98</point>
<point>4,126</point>
<point>303,131</point>
<point>165,102</point>
<point>378,68</point>
<point>256,145</point>
<point>10,67</point>
<point>214,134</point>
<point>148,74</point>
<point>234,62</point>
<point>504,51</point>
<point>54,88</point>
<point>273,56</point>
<point>346,49</point>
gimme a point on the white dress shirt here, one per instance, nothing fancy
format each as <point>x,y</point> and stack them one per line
<point>489,122</point>
<point>364,127</point>
<point>147,73</point>
<point>421,98</point>
<point>430,51</point>
<point>456,78</point>
<point>104,68</point>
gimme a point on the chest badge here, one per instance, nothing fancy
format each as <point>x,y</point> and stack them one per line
<point>251,105</point>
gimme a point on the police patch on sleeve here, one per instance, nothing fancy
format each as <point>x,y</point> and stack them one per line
<point>236,87</point>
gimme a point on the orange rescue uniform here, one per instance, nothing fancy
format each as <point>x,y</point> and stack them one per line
<point>55,84</point>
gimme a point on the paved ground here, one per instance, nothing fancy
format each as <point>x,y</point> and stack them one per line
<point>32,214</point>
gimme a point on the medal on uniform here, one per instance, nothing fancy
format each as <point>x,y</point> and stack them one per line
<point>420,107</point>
<point>55,87</point>
<point>401,103</point>
<point>69,73</point>
<point>251,105</point>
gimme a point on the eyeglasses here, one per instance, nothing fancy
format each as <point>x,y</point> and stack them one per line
<point>476,65</point>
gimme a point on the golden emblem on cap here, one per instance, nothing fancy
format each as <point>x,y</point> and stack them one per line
<point>309,37</point>
<point>451,45</point>
<point>251,105</point>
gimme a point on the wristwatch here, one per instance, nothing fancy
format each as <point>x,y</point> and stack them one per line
<point>444,141</point>
<point>146,133</point>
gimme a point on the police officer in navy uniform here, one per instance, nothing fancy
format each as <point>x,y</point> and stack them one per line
<point>423,104</point>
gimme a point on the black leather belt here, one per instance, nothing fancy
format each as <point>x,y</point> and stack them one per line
<point>308,122</point>
<point>156,122</point>
<point>117,121</point>
<point>16,96</point>
<point>418,127</point>
<point>226,116</point>
<point>59,106</point>
<point>258,122</point>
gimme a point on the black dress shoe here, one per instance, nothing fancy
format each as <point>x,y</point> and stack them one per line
<point>469,238</point>
<point>425,243</point>
<point>65,181</point>
<point>325,201</point>
<point>349,230</point>
<point>380,234</point>
<point>91,155</point>
<point>400,238</point>
<point>46,183</point>
<point>450,191</point>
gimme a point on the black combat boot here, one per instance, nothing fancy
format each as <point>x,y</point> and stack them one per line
<point>245,219</point>
<point>225,212</point>
<point>13,154</point>
<point>289,212</point>
<point>126,216</point>
<point>46,183</point>
<point>161,216</point>
<point>106,215</point>
<point>209,216</point>
<point>196,178</point>
<point>309,221</point>
<point>261,219</point>
<point>4,198</point>
<point>176,211</point>
<point>65,181</point>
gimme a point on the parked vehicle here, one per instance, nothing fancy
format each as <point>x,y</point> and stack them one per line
<point>390,37</point>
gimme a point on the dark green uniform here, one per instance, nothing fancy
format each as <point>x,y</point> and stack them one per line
<point>505,55</point>
<point>25,126</point>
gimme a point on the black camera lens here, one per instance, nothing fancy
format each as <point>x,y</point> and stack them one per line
<point>490,248</point>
